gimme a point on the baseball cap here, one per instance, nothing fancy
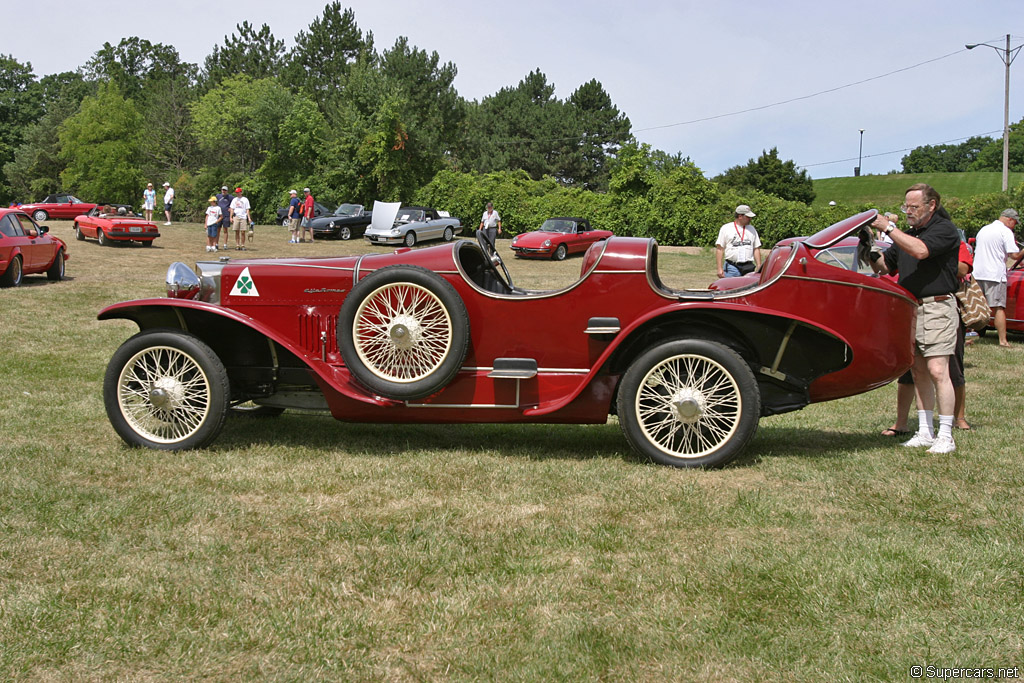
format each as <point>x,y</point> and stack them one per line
<point>167,184</point>
<point>305,189</point>
<point>1010,213</point>
<point>292,192</point>
<point>238,189</point>
<point>224,187</point>
<point>744,210</point>
<point>212,198</point>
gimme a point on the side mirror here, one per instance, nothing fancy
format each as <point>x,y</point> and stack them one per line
<point>43,229</point>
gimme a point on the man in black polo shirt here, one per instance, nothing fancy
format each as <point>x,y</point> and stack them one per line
<point>925,259</point>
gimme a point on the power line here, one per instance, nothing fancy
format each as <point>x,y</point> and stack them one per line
<point>802,97</point>
<point>897,151</point>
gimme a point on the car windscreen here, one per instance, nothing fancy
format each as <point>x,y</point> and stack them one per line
<point>557,225</point>
<point>349,209</point>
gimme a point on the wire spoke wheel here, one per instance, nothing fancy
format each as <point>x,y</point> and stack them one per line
<point>688,406</point>
<point>689,403</point>
<point>402,332</point>
<point>166,389</point>
<point>164,394</point>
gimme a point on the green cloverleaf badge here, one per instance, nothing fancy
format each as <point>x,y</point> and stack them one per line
<point>245,285</point>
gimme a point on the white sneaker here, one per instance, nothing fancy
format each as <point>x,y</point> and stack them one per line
<point>918,441</point>
<point>943,444</point>
<point>167,223</point>
<point>213,248</point>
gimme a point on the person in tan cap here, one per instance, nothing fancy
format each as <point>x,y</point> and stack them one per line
<point>738,248</point>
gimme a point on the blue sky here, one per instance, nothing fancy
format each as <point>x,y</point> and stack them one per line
<point>663,63</point>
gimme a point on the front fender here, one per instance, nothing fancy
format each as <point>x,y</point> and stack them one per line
<point>176,313</point>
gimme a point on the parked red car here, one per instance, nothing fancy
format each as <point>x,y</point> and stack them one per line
<point>59,206</point>
<point>1014,298</point>
<point>115,223</point>
<point>442,335</point>
<point>27,248</point>
<point>557,238</point>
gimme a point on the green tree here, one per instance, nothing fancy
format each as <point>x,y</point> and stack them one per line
<point>990,157</point>
<point>323,55</point>
<point>603,129</point>
<point>250,52</point>
<point>945,158</point>
<point>102,145</point>
<point>770,174</point>
<point>19,107</point>
<point>238,124</point>
<point>134,64</point>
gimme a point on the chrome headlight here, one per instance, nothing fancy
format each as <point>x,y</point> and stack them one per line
<point>547,243</point>
<point>182,283</point>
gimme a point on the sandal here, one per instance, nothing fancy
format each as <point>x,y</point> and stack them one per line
<point>892,431</point>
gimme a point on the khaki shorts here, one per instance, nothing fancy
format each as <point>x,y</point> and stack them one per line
<point>995,293</point>
<point>293,224</point>
<point>937,323</point>
<point>239,223</point>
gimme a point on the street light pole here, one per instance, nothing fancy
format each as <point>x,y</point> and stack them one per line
<point>1007,56</point>
<point>860,154</point>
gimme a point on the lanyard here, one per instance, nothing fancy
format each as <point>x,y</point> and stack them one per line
<point>742,235</point>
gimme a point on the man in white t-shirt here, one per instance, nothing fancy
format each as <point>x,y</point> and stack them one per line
<point>168,201</point>
<point>240,218</point>
<point>490,223</point>
<point>993,244</point>
<point>738,248</point>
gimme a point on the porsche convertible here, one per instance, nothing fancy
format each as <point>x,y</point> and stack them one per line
<point>115,224</point>
<point>443,335</point>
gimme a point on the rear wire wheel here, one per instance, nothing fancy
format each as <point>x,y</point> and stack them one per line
<point>689,403</point>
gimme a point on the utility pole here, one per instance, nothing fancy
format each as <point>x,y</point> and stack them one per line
<point>1007,55</point>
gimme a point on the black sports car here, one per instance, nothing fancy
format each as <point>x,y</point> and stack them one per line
<point>350,220</point>
<point>318,210</point>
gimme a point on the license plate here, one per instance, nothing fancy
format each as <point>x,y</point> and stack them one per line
<point>134,228</point>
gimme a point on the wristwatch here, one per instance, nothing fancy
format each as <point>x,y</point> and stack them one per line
<point>890,228</point>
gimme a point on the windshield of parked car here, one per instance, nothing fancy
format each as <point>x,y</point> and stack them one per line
<point>558,225</point>
<point>75,200</point>
<point>407,216</point>
<point>349,210</point>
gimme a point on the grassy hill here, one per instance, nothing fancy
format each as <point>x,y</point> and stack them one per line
<point>888,190</point>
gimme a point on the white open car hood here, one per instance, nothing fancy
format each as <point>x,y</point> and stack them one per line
<point>384,214</point>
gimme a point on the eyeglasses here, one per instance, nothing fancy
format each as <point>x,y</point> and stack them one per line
<point>906,208</point>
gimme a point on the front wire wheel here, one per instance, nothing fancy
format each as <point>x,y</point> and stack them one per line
<point>689,403</point>
<point>166,390</point>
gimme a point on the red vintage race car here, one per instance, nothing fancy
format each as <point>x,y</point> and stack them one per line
<point>442,335</point>
<point>58,206</point>
<point>557,238</point>
<point>115,223</point>
<point>27,248</point>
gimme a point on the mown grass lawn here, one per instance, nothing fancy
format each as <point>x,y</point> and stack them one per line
<point>302,548</point>
<point>888,190</point>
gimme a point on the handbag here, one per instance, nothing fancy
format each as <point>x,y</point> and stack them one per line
<point>974,310</point>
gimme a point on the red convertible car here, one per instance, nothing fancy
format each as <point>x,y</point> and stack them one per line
<point>1014,298</point>
<point>27,248</point>
<point>442,335</point>
<point>60,205</point>
<point>557,238</point>
<point>115,223</point>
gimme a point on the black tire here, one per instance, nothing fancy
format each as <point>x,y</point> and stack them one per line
<point>13,275</point>
<point>56,270</point>
<point>345,232</point>
<point>147,243</point>
<point>689,403</point>
<point>448,234</point>
<point>167,390</point>
<point>403,332</point>
<point>561,252</point>
<point>79,235</point>
<point>410,239</point>
<point>40,215</point>
<point>103,239</point>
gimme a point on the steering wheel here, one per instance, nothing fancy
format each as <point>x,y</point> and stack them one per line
<point>493,260</point>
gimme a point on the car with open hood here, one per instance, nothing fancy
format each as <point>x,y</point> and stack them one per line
<point>442,335</point>
<point>409,225</point>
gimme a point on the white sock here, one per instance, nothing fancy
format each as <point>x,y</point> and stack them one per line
<point>924,424</point>
<point>946,426</point>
